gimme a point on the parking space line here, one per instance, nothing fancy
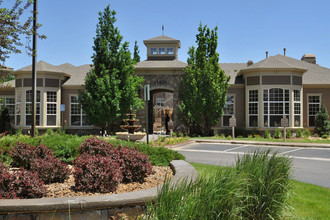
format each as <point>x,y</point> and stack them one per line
<point>234,148</point>
<point>290,151</point>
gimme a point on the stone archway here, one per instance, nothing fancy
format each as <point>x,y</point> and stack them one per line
<point>160,83</point>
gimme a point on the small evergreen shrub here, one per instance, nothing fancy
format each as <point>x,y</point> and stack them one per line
<point>23,154</point>
<point>322,124</point>
<point>50,131</point>
<point>288,133</point>
<point>136,166</point>
<point>50,169</point>
<point>20,184</point>
<point>267,134</point>
<point>278,133</point>
<point>96,173</point>
<point>325,136</point>
<point>299,133</point>
<point>307,133</point>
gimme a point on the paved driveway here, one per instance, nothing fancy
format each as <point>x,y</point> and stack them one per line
<point>310,165</point>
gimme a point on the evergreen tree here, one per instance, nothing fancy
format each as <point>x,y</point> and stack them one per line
<point>136,56</point>
<point>322,125</point>
<point>204,86</point>
<point>110,87</point>
<point>4,119</point>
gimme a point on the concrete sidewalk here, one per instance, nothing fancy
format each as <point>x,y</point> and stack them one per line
<point>285,144</point>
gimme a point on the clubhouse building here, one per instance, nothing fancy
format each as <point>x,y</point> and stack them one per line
<point>259,96</point>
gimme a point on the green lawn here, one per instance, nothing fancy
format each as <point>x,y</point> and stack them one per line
<point>308,201</point>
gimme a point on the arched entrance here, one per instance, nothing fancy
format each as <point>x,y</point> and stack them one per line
<point>160,110</point>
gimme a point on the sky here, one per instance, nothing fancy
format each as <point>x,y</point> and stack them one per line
<point>246,29</point>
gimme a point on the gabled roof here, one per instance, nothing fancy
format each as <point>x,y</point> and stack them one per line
<point>85,68</point>
<point>160,64</point>
<point>42,66</point>
<point>231,69</point>
<point>278,62</point>
<point>162,39</point>
<point>77,74</point>
<point>313,73</point>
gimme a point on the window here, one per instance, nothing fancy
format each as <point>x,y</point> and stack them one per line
<point>314,104</point>
<point>297,108</point>
<point>28,108</point>
<point>51,108</point>
<point>228,110</point>
<point>161,50</point>
<point>153,51</point>
<point>276,105</point>
<point>77,115</point>
<point>253,108</point>
<point>160,102</point>
<point>18,107</point>
<point>9,102</point>
<point>170,50</point>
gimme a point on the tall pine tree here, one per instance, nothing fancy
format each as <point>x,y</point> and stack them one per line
<point>111,88</point>
<point>136,56</point>
<point>204,86</point>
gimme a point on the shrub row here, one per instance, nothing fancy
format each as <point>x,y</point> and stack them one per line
<point>102,166</point>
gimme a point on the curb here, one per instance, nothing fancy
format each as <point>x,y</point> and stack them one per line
<point>285,144</point>
<point>182,170</point>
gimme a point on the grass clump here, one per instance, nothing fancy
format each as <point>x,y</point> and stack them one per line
<point>256,188</point>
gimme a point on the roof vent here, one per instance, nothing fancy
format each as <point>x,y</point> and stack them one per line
<point>249,63</point>
<point>309,58</point>
<point>266,54</point>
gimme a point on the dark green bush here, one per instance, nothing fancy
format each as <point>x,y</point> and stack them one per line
<point>267,134</point>
<point>288,133</point>
<point>307,133</point>
<point>277,133</point>
<point>299,133</point>
<point>325,136</point>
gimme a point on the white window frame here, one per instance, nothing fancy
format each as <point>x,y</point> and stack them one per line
<point>153,51</point>
<point>48,103</point>
<point>308,103</point>
<point>295,111</point>
<point>268,102</point>
<point>18,108</point>
<point>170,50</point>
<point>81,114</point>
<point>160,101</point>
<point>161,51</point>
<point>224,110</point>
<point>37,103</point>
<point>253,102</point>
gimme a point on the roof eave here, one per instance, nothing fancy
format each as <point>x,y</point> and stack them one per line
<point>259,69</point>
<point>18,72</point>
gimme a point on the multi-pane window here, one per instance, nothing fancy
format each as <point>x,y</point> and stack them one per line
<point>161,50</point>
<point>170,50</point>
<point>228,110</point>
<point>297,107</point>
<point>253,108</point>
<point>153,51</point>
<point>9,102</point>
<point>314,104</point>
<point>77,115</point>
<point>51,108</point>
<point>18,107</point>
<point>276,105</point>
<point>28,108</point>
<point>160,102</point>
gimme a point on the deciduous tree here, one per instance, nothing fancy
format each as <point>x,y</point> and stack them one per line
<point>204,85</point>
<point>111,88</point>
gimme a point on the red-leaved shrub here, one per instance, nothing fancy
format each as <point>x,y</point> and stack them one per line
<point>136,166</point>
<point>50,169</point>
<point>20,184</point>
<point>95,146</point>
<point>96,173</point>
<point>23,154</point>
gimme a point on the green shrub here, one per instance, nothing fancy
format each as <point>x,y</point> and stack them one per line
<point>322,124</point>
<point>19,132</point>
<point>325,136</point>
<point>267,134</point>
<point>50,131</point>
<point>307,133</point>
<point>240,136</point>
<point>277,133</point>
<point>288,133</point>
<point>268,184</point>
<point>257,136</point>
<point>299,133</point>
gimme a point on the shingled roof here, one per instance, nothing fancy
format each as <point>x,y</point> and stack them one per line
<point>162,39</point>
<point>313,73</point>
<point>77,74</point>
<point>160,64</point>
<point>42,66</point>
